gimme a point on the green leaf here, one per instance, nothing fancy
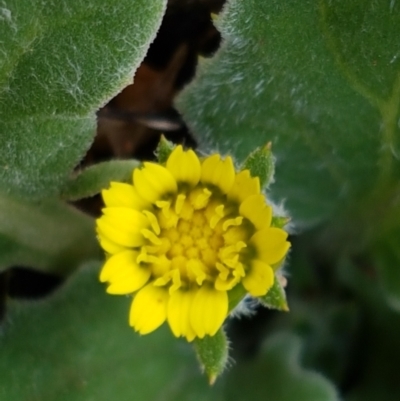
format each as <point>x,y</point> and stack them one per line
<point>320,80</point>
<point>212,352</point>
<point>93,179</point>
<point>276,375</point>
<point>60,62</point>
<point>275,298</point>
<point>49,236</point>
<point>379,351</point>
<point>387,259</point>
<point>80,347</point>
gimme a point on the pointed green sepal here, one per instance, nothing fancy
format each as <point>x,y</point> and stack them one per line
<point>261,164</point>
<point>276,296</point>
<point>279,221</point>
<point>235,296</point>
<point>164,149</point>
<point>212,352</point>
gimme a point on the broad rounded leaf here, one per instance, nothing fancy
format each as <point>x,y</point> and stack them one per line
<point>61,61</point>
<point>78,346</point>
<point>387,260</point>
<point>319,79</point>
<point>276,375</point>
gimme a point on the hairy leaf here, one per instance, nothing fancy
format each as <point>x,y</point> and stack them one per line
<point>319,79</point>
<point>80,347</point>
<point>93,179</point>
<point>276,375</point>
<point>46,235</point>
<point>61,61</point>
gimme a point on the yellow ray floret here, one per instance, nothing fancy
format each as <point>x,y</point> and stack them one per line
<point>184,166</point>
<point>180,237</point>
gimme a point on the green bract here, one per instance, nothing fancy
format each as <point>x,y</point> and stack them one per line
<point>261,164</point>
<point>212,353</point>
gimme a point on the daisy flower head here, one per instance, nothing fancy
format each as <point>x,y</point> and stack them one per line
<point>185,236</point>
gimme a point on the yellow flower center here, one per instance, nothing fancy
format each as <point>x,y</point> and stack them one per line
<point>196,238</point>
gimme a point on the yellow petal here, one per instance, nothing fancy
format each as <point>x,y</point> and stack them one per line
<point>108,245</point>
<point>179,305</point>
<point>153,221</point>
<point>236,234</point>
<point>148,234</point>
<point>184,166</point>
<point>237,221</point>
<point>153,182</point>
<point>197,269</point>
<point>123,226</point>
<point>244,186</point>
<point>199,197</point>
<point>126,218</point>
<point>271,245</point>
<point>218,172</point>
<point>149,309</point>
<point>123,195</point>
<point>179,202</point>
<point>257,211</point>
<point>124,274</point>
<point>112,233</point>
<point>161,266</point>
<point>117,265</point>
<point>227,284</point>
<point>208,311</point>
<point>258,279</point>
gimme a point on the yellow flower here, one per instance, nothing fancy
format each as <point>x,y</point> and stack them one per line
<point>182,237</point>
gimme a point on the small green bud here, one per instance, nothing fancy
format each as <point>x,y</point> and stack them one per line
<point>212,352</point>
<point>279,221</point>
<point>261,164</point>
<point>275,298</point>
<point>164,149</point>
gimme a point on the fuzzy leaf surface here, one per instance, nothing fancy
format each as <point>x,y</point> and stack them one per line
<point>80,347</point>
<point>212,352</point>
<point>61,61</point>
<point>319,79</point>
<point>93,179</point>
<point>275,298</point>
<point>276,375</point>
<point>48,235</point>
<point>387,260</point>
